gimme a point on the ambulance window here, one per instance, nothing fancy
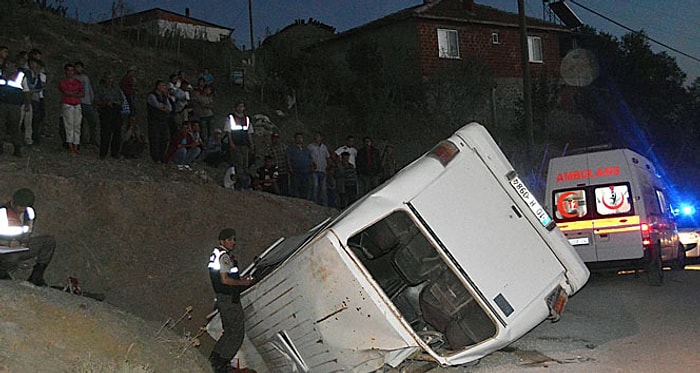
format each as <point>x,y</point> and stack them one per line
<point>613,199</point>
<point>661,199</point>
<point>570,204</point>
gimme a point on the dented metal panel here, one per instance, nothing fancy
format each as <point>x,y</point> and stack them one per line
<point>328,310</point>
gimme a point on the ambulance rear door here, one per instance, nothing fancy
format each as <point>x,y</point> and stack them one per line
<point>616,230</point>
<point>575,219</point>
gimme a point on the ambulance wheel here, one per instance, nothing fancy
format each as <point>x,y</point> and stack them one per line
<point>655,269</point>
<point>679,262</point>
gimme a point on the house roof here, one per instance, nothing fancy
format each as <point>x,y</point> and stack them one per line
<point>310,31</point>
<point>459,11</point>
<point>155,14</point>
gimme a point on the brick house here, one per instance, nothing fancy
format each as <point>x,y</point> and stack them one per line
<point>439,35</point>
<point>165,23</point>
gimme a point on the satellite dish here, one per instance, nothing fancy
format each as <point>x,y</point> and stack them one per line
<point>579,67</point>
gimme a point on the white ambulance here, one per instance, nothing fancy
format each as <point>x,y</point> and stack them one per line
<point>613,208</point>
<point>451,259</point>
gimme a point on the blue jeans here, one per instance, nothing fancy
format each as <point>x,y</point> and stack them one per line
<point>318,187</point>
<point>300,185</point>
<point>185,156</point>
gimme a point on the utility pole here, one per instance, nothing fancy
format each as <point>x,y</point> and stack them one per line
<point>527,95</point>
<point>250,21</point>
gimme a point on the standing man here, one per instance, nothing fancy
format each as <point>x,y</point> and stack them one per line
<point>369,166</point>
<point>299,166</point>
<point>89,114</point>
<point>71,93</point>
<point>159,111</point>
<point>4,52</point>
<point>108,101</point>
<point>128,86</point>
<point>238,138</point>
<point>227,283</point>
<point>319,163</point>
<point>277,150</point>
<point>36,81</point>
<point>38,108</point>
<point>16,226</point>
<point>12,99</point>
<point>348,147</point>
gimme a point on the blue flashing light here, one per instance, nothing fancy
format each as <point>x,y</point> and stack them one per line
<point>687,210</point>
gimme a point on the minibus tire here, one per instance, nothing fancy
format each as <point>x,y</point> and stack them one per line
<point>679,261</point>
<point>655,268</point>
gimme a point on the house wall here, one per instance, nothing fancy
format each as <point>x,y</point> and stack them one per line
<point>475,44</point>
<point>199,32</point>
<point>169,28</point>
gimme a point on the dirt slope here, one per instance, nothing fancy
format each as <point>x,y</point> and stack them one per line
<point>139,232</point>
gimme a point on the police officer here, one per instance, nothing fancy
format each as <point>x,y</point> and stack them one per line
<point>238,137</point>
<point>16,226</point>
<point>227,283</point>
<point>14,92</point>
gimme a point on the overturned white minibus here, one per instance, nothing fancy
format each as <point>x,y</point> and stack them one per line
<point>451,259</point>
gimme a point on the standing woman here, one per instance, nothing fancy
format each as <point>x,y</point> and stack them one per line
<point>109,99</point>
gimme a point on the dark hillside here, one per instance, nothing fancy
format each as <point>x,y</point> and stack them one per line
<point>138,232</point>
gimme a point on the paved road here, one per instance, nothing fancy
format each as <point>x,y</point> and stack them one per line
<point>616,323</point>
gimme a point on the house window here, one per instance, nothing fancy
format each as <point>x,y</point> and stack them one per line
<point>448,44</point>
<point>494,38</point>
<point>534,47</point>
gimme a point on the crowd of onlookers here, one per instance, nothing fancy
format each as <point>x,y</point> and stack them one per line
<point>334,178</point>
<point>181,130</point>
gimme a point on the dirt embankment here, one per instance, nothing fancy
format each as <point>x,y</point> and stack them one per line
<point>141,234</point>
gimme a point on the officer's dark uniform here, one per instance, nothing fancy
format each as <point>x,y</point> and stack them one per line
<point>11,100</point>
<point>228,303</point>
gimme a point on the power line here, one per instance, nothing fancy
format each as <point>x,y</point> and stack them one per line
<point>636,31</point>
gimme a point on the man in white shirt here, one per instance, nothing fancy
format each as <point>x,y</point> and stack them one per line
<point>350,148</point>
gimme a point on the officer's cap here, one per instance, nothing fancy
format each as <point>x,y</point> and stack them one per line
<point>227,233</point>
<point>23,197</point>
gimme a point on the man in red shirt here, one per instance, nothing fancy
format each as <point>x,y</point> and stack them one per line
<point>71,92</point>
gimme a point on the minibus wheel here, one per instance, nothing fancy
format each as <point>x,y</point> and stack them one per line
<point>679,261</point>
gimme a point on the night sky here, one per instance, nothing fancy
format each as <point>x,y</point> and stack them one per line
<point>673,22</point>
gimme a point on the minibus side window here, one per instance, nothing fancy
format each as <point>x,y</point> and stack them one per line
<point>613,200</point>
<point>570,204</point>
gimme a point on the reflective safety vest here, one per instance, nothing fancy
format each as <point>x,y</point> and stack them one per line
<point>215,274</point>
<point>239,132</point>
<point>16,82</point>
<point>11,90</point>
<point>13,225</point>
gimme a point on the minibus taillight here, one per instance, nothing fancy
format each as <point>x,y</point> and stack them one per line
<point>445,151</point>
<point>646,234</point>
<point>556,301</point>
